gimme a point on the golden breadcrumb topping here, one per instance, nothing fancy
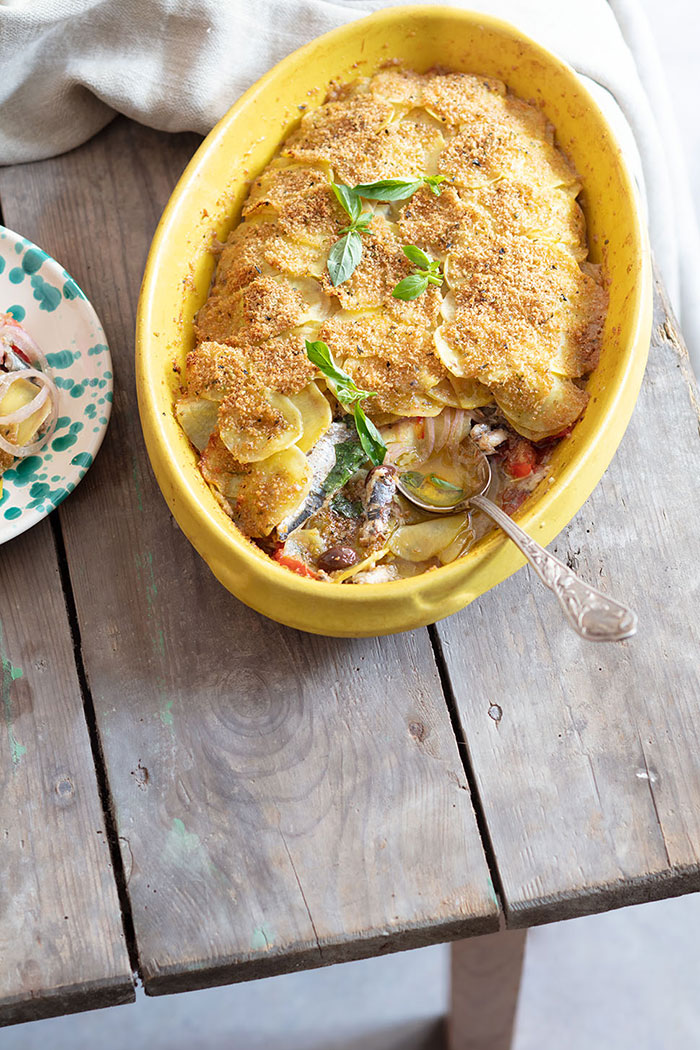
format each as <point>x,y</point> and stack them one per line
<point>382,266</point>
<point>277,185</point>
<point>213,370</point>
<point>264,496</point>
<point>486,150</point>
<point>397,361</point>
<point>281,363</point>
<point>7,458</point>
<point>262,309</point>
<point>523,302</point>
<point>219,467</point>
<point>433,223</point>
<point>248,409</point>
<point>312,218</point>
<point>337,132</point>
<point>399,86</point>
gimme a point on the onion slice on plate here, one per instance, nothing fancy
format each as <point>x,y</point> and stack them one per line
<point>48,390</point>
<point>12,334</point>
<point>20,414</point>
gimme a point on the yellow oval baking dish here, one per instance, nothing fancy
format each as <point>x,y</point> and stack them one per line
<point>208,199</point>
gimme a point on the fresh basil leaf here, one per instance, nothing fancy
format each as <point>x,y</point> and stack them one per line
<point>319,354</point>
<point>443,483</point>
<point>349,457</point>
<point>411,287</point>
<point>344,257</point>
<point>388,189</point>
<point>370,438</point>
<point>418,257</point>
<point>344,386</point>
<point>347,508</point>
<point>412,479</point>
<point>433,183</point>
<point>348,199</point>
<point>362,224</point>
<point>350,395</point>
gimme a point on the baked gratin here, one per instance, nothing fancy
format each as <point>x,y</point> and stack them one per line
<point>410,275</point>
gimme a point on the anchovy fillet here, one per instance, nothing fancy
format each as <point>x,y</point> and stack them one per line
<point>380,489</point>
<point>321,460</point>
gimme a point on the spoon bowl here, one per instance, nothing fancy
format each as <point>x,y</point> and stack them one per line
<point>593,615</point>
<point>432,493</point>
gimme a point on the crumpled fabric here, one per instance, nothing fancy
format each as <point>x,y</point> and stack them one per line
<point>68,66</point>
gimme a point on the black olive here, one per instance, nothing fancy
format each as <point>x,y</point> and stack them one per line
<point>337,558</point>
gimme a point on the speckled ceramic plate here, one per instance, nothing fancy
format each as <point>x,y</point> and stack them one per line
<point>37,291</point>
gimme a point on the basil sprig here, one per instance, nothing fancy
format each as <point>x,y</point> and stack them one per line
<point>347,508</point>
<point>399,189</point>
<point>415,480</point>
<point>443,483</point>
<point>428,272</point>
<point>370,438</point>
<point>349,457</point>
<point>351,396</point>
<point>346,253</point>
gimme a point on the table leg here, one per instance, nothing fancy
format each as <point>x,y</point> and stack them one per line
<point>485,980</point>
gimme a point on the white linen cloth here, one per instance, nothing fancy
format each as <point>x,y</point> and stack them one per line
<point>69,65</point>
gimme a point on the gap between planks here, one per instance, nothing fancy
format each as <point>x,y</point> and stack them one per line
<point>103,788</point>
<point>463,751</point>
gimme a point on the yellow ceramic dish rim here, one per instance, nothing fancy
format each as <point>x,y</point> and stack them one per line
<point>383,608</point>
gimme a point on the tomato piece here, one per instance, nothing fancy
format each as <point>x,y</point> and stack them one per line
<point>520,458</point>
<point>21,354</point>
<point>546,443</point>
<point>294,564</point>
<point>512,499</point>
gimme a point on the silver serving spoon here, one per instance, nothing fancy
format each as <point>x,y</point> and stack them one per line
<point>592,614</point>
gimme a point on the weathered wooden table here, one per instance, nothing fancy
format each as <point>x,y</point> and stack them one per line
<point>196,795</point>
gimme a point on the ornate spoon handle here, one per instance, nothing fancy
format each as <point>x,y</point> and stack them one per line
<point>591,613</point>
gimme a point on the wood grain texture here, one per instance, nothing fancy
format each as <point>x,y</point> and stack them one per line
<point>282,800</point>
<point>61,939</point>
<point>585,756</point>
<point>484,986</point>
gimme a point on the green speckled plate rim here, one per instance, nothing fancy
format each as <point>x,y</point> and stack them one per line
<point>35,288</point>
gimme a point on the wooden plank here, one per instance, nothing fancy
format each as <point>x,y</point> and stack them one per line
<point>61,938</point>
<point>484,987</point>
<point>283,800</point>
<point>585,756</point>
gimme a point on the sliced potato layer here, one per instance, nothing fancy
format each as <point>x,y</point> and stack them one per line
<point>272,490</point>
<point>427,539</point>
<point>316,415</point>
<point>254,423</point>
<point>198,417</point>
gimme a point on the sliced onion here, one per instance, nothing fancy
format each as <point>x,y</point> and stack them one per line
<point>22,451</point>
<point>15,335</point>
<point>429,437</point>
<point>443,429</point>
<point>457,427</point>
<point>395,449</point>
<point>20,414</point>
